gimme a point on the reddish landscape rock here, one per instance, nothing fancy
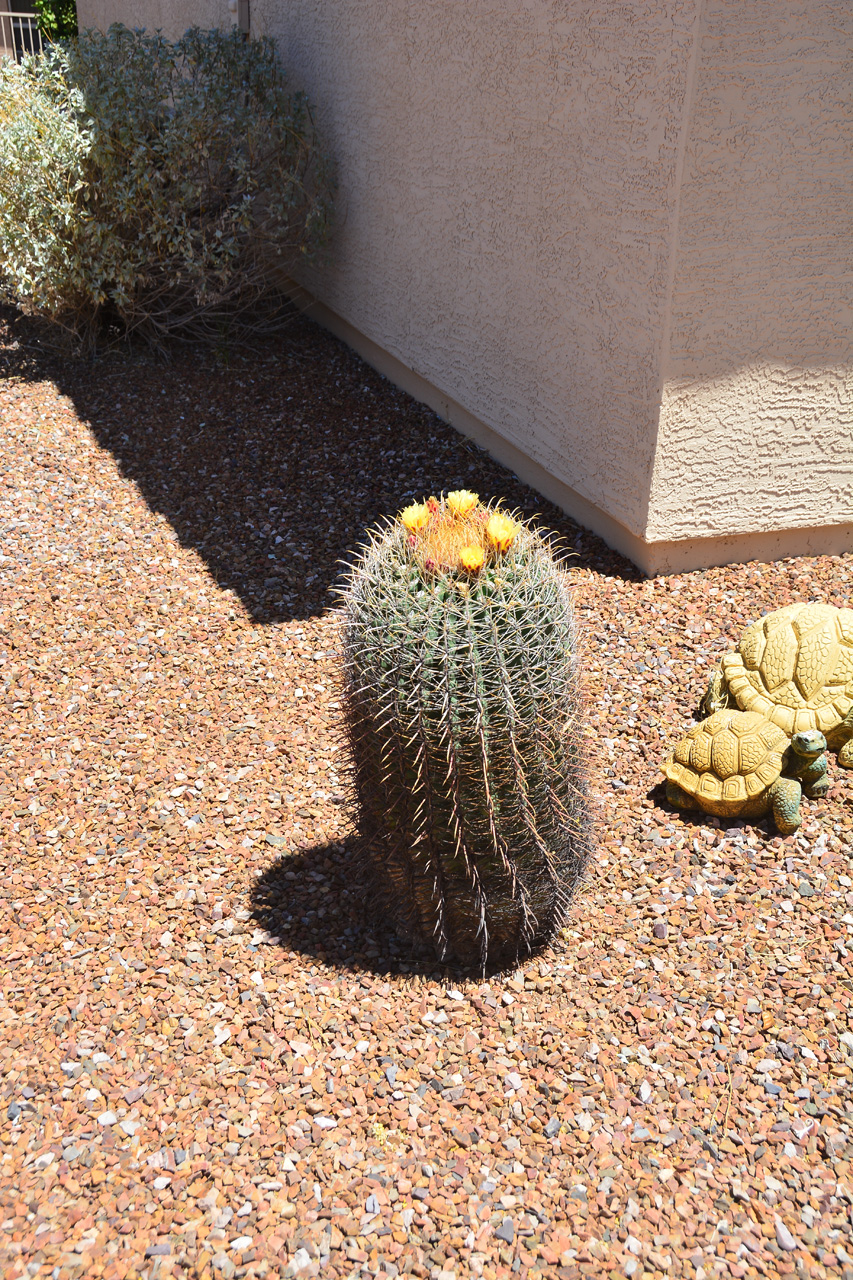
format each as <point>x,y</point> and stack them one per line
<point>212,1065</point>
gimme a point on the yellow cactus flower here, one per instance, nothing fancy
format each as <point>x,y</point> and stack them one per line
<point>415,517</point>
<point>461,501</point>
<point>471,558</point>
<point>501,531</point>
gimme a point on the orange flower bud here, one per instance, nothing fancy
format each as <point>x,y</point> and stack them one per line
<point>471,558</point>
<point>415,517</point>
<point>462,501</point>
<point>501,531</point>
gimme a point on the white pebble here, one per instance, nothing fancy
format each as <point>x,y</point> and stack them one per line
<point>784,1239</point>
<point>300,1260</point>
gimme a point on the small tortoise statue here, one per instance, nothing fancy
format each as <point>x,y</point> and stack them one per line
<point>794,666</point>
<point>739,764</point>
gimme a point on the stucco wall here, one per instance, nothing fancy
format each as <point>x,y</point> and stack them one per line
<point>172,17</point>
<point>508,179</point>
<point>756,427</point>
<point>611,235</point>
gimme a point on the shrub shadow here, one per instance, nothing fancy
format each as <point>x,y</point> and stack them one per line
<point>296,440</point>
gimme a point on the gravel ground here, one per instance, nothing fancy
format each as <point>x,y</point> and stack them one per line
<point>211,1066</point>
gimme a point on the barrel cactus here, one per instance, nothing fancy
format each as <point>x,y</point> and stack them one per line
<point>462,711</point>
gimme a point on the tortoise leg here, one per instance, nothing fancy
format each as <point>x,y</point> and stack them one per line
<point>844,733</point>
<point>784,796</point>
<point>717,696</point>
<point>817,790</point>
<point>814,778</point>
<point>678,798</point>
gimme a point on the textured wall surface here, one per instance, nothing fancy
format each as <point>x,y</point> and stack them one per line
<point>172,17</point>
<point>756,428</point>
<point>508,187</point>
<point>614,234</point>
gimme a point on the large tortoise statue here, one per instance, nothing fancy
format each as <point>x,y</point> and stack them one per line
<point>739,764</point>
<point>794,666</point>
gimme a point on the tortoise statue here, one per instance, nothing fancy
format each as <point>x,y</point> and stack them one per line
<point>739,764</point>
<point>795,666</point>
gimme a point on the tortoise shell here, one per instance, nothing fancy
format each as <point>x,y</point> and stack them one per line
<point>795,666</point>
<point>728,760</point>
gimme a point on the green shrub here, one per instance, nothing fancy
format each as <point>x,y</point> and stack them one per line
<point>155,185</point>
<point>57,18</point>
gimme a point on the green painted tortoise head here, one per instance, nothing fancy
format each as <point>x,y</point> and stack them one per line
<point>808,744</point>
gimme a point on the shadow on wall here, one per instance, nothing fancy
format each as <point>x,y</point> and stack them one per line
<point>272,463</point>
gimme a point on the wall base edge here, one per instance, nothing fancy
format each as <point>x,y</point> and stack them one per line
<point>652,558</point>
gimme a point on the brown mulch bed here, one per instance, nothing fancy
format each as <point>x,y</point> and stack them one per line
<point>212,1063</point>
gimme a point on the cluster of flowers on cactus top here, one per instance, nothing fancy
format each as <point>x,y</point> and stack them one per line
<point>457,532</point>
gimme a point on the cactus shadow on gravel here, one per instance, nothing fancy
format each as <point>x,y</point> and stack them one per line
<point>316,903</point>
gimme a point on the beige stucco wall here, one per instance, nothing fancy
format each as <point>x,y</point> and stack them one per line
<point>508,176</point>
<point>606,239</point>
<point>172,17</point>
<point>756,424</point>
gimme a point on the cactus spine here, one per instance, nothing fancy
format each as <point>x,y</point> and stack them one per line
<point>462,716</point>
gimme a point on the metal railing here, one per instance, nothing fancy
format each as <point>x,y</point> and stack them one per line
<point>19,34</point>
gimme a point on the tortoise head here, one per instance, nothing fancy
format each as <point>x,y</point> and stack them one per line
<point>808,744</point>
